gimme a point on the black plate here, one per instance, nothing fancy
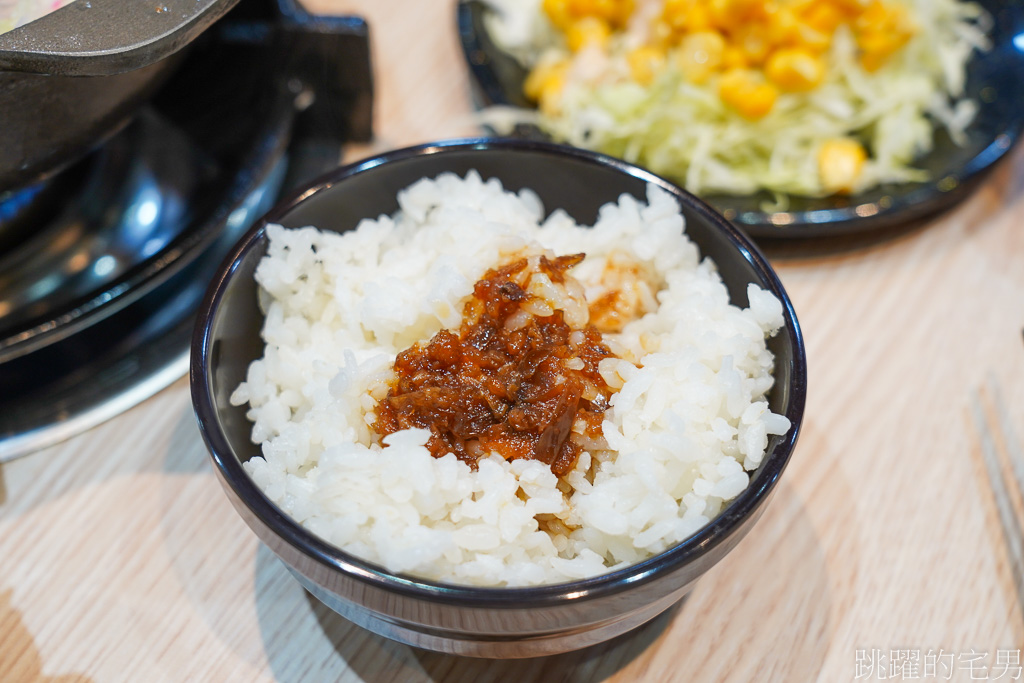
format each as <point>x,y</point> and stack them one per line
<point>994,79</point>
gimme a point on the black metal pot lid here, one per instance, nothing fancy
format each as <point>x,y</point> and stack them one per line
<point>103,37</point>
<point>157,195</point>
<point>147,219</point>
<point>993,79</point>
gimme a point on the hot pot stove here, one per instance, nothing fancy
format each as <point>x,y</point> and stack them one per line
<point>103,264</point>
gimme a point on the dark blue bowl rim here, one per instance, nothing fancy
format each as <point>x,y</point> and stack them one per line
<point>232,473</point>
<point>908,202</point>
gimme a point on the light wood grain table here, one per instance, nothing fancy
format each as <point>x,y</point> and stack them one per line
<point>121,559</point>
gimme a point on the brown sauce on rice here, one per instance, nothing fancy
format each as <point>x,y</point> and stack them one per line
<point>516,379</point>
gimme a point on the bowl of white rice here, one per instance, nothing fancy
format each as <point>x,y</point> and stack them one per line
<point>497,398</point>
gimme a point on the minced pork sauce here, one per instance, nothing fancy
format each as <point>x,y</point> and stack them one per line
<point>510,381</point>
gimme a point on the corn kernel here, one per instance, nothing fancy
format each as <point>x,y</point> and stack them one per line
<point>674,12</point>
<point>558,13</point>
<point>824,17</point>
<point>879,17</point>
<point>584,8</point>
<point>753,41</point>
<point>733,57</point>
<point>700,55</point>
<point>644,63</point>
<point>687,15</point>
<point>801,6</point>
<point>875,16</point>
<point>699,19</point>
<point>881,30</point>
<point>746,92</point>
<point>840,162</point>
<point>622,12</point>
<point>548,76</point>
<point>615,12</point>
<point>794,70</point>
<point>587,31</point>
<point>733,14</point>
<point>812,39</point>
<point>851,7</point>
<point>782,27</point>
<point>878,41</point>
<point>662,34</point>
<point>550,101</point>
<point>876,49</point>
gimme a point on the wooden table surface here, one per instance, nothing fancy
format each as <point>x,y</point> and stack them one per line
<point>887,543</point>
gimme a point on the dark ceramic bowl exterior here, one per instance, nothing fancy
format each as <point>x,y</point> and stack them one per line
<point>993,80</point>
<point>484,622</point>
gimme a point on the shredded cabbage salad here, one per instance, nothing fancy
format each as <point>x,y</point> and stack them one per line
<point>683,129</point>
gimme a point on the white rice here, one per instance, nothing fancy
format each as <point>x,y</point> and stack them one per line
<point>688,421</point>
